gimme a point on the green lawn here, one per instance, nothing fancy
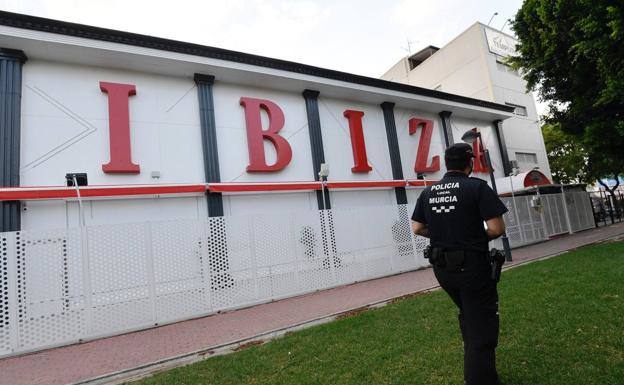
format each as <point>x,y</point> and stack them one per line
<point>562,323</point>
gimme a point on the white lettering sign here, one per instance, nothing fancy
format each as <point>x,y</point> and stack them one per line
<point>500,44</point>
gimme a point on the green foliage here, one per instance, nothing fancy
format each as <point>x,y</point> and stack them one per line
<point>572,52</point>
<point>567,158</point>
<point>562,322</point>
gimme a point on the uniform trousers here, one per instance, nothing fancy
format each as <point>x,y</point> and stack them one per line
<point>474,292</point>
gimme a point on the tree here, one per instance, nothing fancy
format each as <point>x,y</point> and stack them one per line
<point>572,53</point>
<point>568,160</point>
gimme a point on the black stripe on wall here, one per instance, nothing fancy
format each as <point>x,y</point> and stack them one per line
<point>209,141</point>
<point>446,127</point>
<point>316,142</point>
<point>11,62</point>
<point>393,149</point>
<point>502,147</point>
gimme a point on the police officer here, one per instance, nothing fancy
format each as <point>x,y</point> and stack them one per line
<point>452,213</point>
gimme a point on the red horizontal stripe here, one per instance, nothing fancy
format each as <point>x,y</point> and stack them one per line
<point>45,193</point>
<point>258,187</point>
<point>30,193</point>
<point>366,184</point>
<point>421,183</point>
<point>156,190</point>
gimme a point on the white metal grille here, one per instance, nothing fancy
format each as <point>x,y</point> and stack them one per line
<point>526,224</point>
<point>554,214</point>
<point>49,298</point>
<point>579,207</point>
<point>62,286</point>
<point>7,324</point>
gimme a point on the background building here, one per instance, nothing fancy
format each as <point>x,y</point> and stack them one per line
<point>473,64</point>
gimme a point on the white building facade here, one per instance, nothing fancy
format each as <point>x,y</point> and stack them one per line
<point>473,64</point>
<point>152,128</point>
<point>203,191</point>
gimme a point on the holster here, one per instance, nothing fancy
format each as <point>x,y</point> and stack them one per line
<point>497,259</point>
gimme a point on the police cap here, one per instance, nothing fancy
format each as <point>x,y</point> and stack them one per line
<point>459,151</point>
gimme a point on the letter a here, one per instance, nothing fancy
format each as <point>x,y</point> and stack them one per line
<point>424,143</point>
<point>480,164</point>
<point>119,128</point>
<point>357,141</point>
<point>256,135</point>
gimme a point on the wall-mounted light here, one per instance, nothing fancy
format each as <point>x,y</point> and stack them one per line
<point>76,177</point>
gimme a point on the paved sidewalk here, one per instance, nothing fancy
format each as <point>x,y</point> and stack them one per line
<point>97,358</point>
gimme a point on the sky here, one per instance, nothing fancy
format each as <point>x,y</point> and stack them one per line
<point>364,37</point>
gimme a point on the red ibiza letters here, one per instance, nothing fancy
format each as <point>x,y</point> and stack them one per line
<point>119,128</point>
<point>422,153</point>
<point>256,135</point>
<point>357,141</point>
<point>480,164</point>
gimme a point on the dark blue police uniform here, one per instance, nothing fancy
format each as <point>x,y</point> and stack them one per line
<point>454,210</point>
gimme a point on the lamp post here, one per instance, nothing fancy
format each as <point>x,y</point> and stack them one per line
<point>469,137</point>
<point>491,18</point>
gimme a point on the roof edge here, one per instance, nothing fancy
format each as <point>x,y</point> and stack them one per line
<point>41,24</point>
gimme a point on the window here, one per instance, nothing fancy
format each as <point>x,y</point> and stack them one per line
<point>506,68</point>
<point>526,157</point>
<point>518,110</point>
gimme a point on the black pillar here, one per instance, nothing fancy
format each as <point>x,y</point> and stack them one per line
<point>11,62</point>
<point>316,142</point>
<point>446,127</point>
<point>209,141</point>
<point>393,149</point>
<point>218,257</point>
<point>502,147</point>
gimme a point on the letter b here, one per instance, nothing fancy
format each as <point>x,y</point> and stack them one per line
<point>256,135</point>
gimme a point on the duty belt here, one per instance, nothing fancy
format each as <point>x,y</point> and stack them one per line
<point>455,260</point>
<point>446,259</point>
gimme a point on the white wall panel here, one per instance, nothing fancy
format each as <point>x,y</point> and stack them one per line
<point>61,214</point>
<point>65,129</point>
<point>232,134</point>
<point>337,140</point>
<point>242,204</point>
<point>362,198</point>
<point>408,144</point>
<point>412,197</point>
<point>65,125</point>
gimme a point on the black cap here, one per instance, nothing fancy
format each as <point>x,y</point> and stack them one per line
<point>459,151</point>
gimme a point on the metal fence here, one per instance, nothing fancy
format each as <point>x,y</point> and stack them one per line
<point>555,214</point>
<point>608,208</point>
<point>63,286</point>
